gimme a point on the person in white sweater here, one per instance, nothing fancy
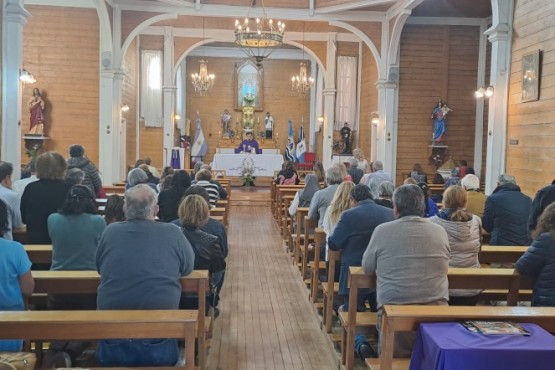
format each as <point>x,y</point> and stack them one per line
<point>464,232</point>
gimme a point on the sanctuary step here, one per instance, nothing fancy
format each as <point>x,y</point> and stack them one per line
<point>252,196</point>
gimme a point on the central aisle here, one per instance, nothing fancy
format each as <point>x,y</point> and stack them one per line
<point>266,320</point>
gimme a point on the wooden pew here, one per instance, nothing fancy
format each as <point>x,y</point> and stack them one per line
<point>407,318</point>
<point>459,278</point>
<point>87,282</point>
<point>95,325</point>
<point>219,212</point>
<point>316,265</point>
<point>501,253</point>
<point>116,189</point>
<point>330,289</point>
<point>309,225</point>
<point>302,212</point>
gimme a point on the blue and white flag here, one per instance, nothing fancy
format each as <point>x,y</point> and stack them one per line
<point>301,145</point>
<point>290,146</point>
<point>199,147</point>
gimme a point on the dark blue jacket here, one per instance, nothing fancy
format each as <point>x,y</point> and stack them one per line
<point>539,263</point>
<point>544,197</point>
<point>506,216</point>
<point>353,233</point>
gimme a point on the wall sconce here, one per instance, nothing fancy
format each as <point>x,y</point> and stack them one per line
<point>484,91</point>
<point>125,108</point>
<point>176,117</point>
<point>375,118</point>
<point>26,77</point>
<point>319,124</point>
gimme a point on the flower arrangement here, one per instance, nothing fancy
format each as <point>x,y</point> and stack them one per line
<point>249,98</point>
<point>436,159</point>
<point>247,173</point>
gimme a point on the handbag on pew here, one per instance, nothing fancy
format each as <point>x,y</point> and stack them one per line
<point>17,360</point>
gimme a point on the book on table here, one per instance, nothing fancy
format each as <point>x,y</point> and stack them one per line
<point>494,327</point>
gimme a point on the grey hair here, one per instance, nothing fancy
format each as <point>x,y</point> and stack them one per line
<point>374,185</point>
<point>386,189</point>
<point>353,162</point>
<point>470,182</point>
<point>75,176</point>
<point>409,200</point>
<point>136,176</point>
<point>334,176</point>
<point>505,179</point>
<point>377,165</point>
<point>140,202</point>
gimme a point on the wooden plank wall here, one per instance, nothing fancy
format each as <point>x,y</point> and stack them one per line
<point>278,99</point>
<point>66,72</point>
<point>532,161</point>
<point>436,62</point>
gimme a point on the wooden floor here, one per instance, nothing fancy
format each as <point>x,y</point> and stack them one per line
<point>266,320</point>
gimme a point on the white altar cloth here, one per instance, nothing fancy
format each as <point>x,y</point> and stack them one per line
<point>262,164</point>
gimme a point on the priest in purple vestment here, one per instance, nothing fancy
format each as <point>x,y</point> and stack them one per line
<point>249,145</point>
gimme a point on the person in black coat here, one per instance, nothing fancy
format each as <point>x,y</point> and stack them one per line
<point>169,199</point>
<point>543,198</point>
<point>44,197</point>
<point>539,260</point>
<point>506,213</point>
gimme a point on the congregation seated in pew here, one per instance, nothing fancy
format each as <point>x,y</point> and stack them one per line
<point>135,257</point>
<point>15,275</point>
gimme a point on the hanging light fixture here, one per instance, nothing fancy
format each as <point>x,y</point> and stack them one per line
<point>203,81</point>
<point>262,39</point>
<point>26,77</point>
<point>302,83</point>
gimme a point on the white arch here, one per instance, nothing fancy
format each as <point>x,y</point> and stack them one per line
<point>139,28</point>
<point>105,26</point>
<point>361,35</point>
<point>395,39</point>
<point>208,41</point>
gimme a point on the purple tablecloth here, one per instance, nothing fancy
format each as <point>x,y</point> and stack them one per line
<point>450,346</point>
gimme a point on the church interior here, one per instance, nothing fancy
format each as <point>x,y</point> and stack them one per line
<point>121,78</point>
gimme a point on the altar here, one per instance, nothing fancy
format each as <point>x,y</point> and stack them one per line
<point>234,164</point>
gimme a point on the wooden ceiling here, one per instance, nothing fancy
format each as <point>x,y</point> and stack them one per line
<point>428,8</point>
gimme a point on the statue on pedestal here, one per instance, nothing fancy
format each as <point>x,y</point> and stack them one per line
<point>36,108</point>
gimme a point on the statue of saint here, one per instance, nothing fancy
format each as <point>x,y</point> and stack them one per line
<point>438,115</point>
<point>36,108</point>
<point>226,121</point>
<point>346,136</point>
<point>269,125</point>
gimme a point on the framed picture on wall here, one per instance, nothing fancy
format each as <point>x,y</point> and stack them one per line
<point>531,76</point>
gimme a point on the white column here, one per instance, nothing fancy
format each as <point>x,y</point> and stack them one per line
<point>329,101</point>
<point>479,118</point>
<point>313,118</point>
<point>169,90</point>
<point>106,153</point>
<point>387,126</point>
<point>14,19</point>
<point>500,37</point>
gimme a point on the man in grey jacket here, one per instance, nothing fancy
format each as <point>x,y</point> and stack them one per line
<point>322,198</point>
<point>410,257</point>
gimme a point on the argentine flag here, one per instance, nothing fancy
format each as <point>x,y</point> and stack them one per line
<point>301,145</point>
<point>290,146</point>
<point>199,147</point>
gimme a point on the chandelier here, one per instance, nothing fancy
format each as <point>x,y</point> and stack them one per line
<point>302,83</point>
<point>203,81</point>
<point>262,38</point>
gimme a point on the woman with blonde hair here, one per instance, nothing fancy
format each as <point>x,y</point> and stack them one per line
<point>340,203</point>
<point>362,162</point>
<point>464,232</point>
<point>318,169</point>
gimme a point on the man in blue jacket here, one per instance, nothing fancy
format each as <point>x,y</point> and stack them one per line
<point>351,236</point>
<point>506,213</point>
